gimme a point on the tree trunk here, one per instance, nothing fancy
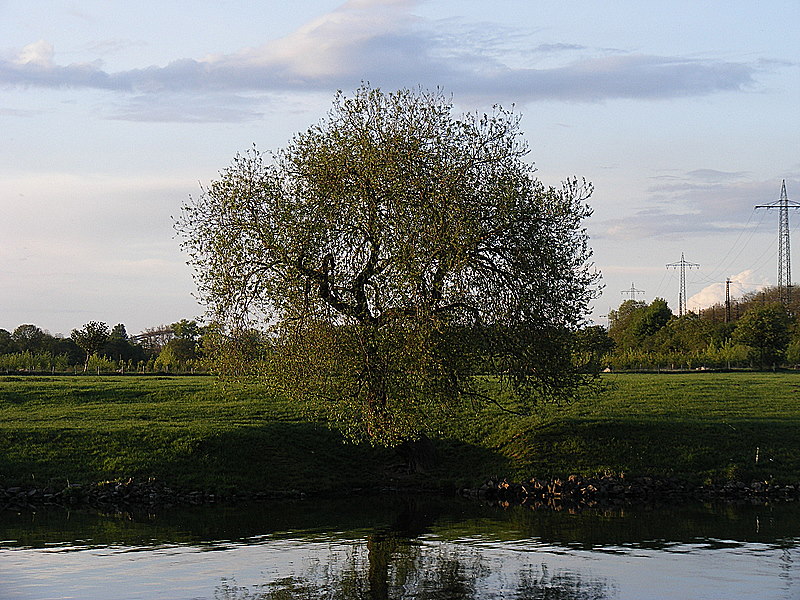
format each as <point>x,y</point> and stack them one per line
<point>419,455</point>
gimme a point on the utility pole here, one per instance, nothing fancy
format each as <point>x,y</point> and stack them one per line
<point>728,300</point>
<point>683,264</point>
<point>784,255</point>
<point>633,291</point>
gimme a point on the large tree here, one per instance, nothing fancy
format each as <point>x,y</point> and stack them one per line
<point>766,330</point>
<point>635,324</point>
<point>388,250</point>
<point>30,338</point>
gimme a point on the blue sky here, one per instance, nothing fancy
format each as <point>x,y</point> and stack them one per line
<point>684,115</point>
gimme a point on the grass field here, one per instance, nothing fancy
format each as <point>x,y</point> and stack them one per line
<point>193,434</point>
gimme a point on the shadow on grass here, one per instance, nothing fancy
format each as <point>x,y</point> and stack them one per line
<point>309,457</point>
<point>687,449</point>
<point>300,456</point>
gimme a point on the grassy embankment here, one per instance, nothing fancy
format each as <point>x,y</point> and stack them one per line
<point>191,433</point>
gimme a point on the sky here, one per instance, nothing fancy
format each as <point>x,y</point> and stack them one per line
<point>684,115</point>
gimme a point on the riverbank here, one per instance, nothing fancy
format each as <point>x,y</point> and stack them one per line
<point>192,434</point>
<point>574,493</point>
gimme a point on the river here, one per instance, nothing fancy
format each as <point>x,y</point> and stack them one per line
<point>402,547</point>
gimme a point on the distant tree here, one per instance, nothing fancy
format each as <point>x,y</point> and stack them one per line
<point>120,347</point>
<point>153,339</point>
<point>187,330</point>
<point>765,329</point>
<point>690,334</point>
<point>592,344</point>
<point>7,343</point>
<point>652,319</point>
<point>68,347</point>
<point>176,354</point>
<point>620,323</point>
<point>182,348</point>
<point>793,348</point>
<point>91,338</point>
<point>376,235</point>
<point>634,324</point>
<point>30,338</point>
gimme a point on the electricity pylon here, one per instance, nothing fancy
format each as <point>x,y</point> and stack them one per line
<point>728,300</point>
<point>683,264</point>
<point>633,291</point>
<point>784,255</point>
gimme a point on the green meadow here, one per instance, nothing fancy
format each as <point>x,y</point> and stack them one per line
<point>195,434</point>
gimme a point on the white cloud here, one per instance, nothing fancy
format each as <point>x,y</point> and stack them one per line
<point>39,54</point>
<point>385,43</point>
<point>746,281</point>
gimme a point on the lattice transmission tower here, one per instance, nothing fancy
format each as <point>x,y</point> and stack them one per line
<point>728,300</point>
<point>632,292</point>
<point>784,252</point>
<point>683,264</point>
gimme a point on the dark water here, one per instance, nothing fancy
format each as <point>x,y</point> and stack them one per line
<point>381,548</point>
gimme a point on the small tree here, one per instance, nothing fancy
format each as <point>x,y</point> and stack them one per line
<point>384,249</point>
<point>91,338</point>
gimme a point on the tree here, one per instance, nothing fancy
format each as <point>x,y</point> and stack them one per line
<point>384,248</point>
<point>652,319</point>
<point>592,345</point>
<point>30,338</point>
<point>153,339</point>
<point>182,348</point>
<point>119,346</point>
<point>765,329</point>
<point>634,324</point>
<point>187,330</point>
<point>7,343</point>
<point>91,338</point>
<point>177,353</point>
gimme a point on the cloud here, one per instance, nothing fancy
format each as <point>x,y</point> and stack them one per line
<point>702,201</point>
<point>189,108</point>
<point>746,281</point>
<point>39,54</point>
<point>558,47</point>
<point>19,112</point>
<point>714,176</point>
<point>385,43</point>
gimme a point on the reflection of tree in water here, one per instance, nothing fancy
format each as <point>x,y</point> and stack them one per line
<point>446,577</point>
<point>396,564</point>
<point>540,584</point>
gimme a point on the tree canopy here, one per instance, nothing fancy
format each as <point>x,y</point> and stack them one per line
<point>386,252</point>
<point>91,338</point>
<point>765,329</point>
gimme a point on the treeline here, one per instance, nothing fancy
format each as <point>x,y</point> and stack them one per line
<point>755,331</point>
<point>96,348</point>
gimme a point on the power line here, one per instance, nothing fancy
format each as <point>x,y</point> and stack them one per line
<point>721,265</point>
<point>661,283</point>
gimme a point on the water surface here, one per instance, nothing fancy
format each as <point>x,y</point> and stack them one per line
<point>386,548</point>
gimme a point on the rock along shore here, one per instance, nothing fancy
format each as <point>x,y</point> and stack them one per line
<point>573,492</point>
<point>114,495</point>
<point>608,490</point>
